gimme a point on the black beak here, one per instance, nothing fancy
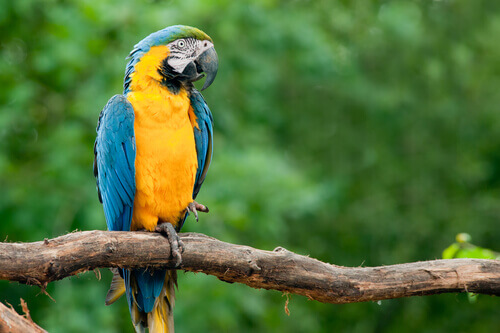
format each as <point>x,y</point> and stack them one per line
<point>208,63</point>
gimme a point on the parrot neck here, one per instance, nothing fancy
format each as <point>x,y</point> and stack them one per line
<point>150,72</point>
<point>156,106</point>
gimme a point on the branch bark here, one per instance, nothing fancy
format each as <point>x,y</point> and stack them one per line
<point>39,263</point>
<point>11,321</point>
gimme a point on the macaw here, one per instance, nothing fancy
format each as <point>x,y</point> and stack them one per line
<point>151,156</point>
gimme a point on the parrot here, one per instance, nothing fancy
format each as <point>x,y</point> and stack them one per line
<point>151,155</point>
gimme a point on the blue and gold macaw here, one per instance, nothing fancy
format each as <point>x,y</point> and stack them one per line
<point>152,153</point>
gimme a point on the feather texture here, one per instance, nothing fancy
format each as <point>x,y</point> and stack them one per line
<point>203,137</point>
<point>114,162</point>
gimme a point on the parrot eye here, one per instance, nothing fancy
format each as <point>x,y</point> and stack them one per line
<point>181,43</point>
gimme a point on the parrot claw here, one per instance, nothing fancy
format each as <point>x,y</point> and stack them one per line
<point>176,245</point>
<point>195,207</point>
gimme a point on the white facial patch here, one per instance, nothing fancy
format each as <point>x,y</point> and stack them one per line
<point>178,64</point>
<point>185,50</point>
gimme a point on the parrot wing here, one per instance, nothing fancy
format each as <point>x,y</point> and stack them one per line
<point>114,158</point>
<point>114,169</point>
<point>203,135</point>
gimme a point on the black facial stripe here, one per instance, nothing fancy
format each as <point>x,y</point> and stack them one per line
<point>169,79</point>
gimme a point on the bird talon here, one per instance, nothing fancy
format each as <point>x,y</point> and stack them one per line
<point>176,245</point>
<point>195,207</point>
<point>181,246</point>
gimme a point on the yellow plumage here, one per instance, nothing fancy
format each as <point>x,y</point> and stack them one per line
<point>166,160</point>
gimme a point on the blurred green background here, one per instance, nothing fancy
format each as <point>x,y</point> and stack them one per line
<point>356,132</point>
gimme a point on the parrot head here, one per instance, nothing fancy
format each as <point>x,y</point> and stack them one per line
<point>176,54</point>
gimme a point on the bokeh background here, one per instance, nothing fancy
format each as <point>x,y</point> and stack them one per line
<point>356,132</point>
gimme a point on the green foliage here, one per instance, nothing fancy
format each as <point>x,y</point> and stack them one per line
<point>464,249</point>
<point>357,132</point>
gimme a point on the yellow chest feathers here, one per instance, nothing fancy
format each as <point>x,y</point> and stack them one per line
<point>166,160</point>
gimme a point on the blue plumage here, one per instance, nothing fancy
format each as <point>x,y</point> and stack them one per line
<point>203,137</point>
<point>114,168</point>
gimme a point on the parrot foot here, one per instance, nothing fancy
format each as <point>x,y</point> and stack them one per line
<point>176,245</point>
<point>195,207</point>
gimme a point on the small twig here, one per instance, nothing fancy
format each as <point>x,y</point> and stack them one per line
<point>26,311</point>
<point>287,295</point>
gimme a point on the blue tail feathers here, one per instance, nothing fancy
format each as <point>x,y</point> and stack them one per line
<point>149,284</point>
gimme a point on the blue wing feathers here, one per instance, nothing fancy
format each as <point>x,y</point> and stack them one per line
<point>114,162</point>
<point>203,137</point>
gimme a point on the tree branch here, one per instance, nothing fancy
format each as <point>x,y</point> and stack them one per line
<point>11,321</point>
<point>42,262</point>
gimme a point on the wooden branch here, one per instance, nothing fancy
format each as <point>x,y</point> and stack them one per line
<point>11,321</point>
<point>42,262</point>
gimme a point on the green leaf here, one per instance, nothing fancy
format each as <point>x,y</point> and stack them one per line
<point>451,251</point>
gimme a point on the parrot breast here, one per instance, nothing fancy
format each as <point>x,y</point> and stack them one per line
<point>166,160</point>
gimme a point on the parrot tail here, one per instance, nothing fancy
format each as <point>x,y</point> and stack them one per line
<point>117,288</point>
<point>161,319</point>
<point>157,310</point>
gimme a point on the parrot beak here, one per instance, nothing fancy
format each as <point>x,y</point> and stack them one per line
<point>208,63</point>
